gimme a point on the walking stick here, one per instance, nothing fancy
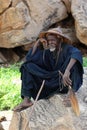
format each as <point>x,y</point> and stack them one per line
<point>73,99</point>
<point>39,92</point>
<point>37,98</point>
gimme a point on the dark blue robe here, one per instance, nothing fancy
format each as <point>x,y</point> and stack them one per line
<point>42,65</point>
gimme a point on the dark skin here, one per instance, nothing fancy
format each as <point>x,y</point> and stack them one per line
<point>53,41</point>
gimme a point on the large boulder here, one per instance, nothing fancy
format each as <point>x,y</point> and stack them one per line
<point>21,21</point>
<point>48,115</point>
<point>79,12</point>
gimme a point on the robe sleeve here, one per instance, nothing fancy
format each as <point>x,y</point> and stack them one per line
<point>75,53</point>
<point>28,56</point>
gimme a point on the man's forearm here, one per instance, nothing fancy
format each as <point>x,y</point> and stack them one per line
<point>71,63</point>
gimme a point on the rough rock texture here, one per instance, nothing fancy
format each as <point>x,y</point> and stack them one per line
<point>22,20</point>
<point>48,115</point>
<point>53,115</point>
<point>4,4</point>
<point>1,128</point>
<point>79,12</point>
<point>68,5</point>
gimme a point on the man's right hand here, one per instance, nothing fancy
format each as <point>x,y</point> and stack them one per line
<point>44,42</point>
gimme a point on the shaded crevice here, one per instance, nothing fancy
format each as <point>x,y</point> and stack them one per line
<point>69,21</point>
<point>64,23</point>
<point>83,48</point>
<point>12,55</point>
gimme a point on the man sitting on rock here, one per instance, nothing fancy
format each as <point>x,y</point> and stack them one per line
<point>47,60</point>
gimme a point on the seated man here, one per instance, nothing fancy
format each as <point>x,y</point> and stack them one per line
<point>47,60</point>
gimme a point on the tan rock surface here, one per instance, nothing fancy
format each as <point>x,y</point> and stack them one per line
<point>47,115</point>
<point>1,128</point>
<point>4,4</point>
<point>21,22</point>
<point>79,12</point>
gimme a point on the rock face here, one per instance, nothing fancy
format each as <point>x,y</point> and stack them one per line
<point>22,20</point>
<point>1,128</point>
<point>51,114</point>
<point>79,12</point>
<point>48,115</point>
<point>4,4</point>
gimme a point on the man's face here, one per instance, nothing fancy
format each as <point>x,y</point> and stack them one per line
<point>53,41</point>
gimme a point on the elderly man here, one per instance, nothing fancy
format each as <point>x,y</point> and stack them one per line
<point>47,60</point>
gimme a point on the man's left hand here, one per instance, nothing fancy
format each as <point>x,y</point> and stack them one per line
<point>66,78</point>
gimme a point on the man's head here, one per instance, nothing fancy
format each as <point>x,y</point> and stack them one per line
<point>54,37</point>
<point>53,41</point>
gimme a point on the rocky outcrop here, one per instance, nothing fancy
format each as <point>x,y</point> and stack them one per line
<point>79,12</point>
<point>21,21</point>
<point>47,115</point>
<point>51,114</point>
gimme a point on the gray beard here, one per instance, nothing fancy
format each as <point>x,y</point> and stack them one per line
<point>52,49</point>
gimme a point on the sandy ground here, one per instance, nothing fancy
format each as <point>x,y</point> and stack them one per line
<point>8,115</point>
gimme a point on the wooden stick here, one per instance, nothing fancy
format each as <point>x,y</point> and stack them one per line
<point>26,125</point>
<point>37,98</point>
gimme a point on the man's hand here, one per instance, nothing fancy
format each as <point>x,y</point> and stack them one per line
<point>66,78</point>
<point>44,42</point>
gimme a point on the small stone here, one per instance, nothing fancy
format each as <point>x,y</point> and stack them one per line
<point>85,99</point>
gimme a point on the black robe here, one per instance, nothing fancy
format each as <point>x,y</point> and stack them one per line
<point>42,65</point>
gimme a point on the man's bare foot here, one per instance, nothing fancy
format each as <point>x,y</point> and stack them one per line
<point>23,105</point>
